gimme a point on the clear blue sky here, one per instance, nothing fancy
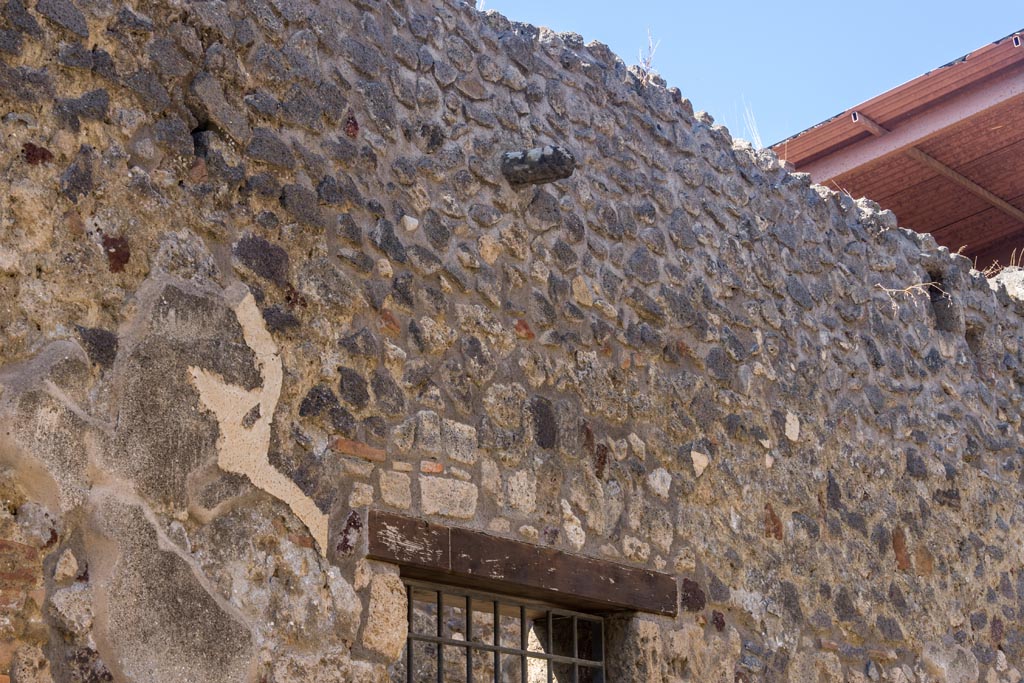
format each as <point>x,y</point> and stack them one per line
<point>792,63</point>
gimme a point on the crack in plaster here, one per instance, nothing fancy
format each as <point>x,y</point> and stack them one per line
<point>244,448</point>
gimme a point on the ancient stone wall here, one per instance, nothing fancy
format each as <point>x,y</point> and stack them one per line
<point>260,270</point>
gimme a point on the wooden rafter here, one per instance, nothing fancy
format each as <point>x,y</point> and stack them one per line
<point>942,169</point>
<point>939,117</point>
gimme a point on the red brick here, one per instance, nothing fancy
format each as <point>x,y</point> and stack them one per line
<point>358,449</point>
<point>431,467</point>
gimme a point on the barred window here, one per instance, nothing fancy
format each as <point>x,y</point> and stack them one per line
<point>456,634</point>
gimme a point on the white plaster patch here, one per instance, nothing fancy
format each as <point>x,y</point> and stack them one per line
<point>244,450</point>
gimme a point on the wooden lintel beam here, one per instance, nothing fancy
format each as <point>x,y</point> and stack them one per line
<point>942,169</point>
<point>473,559</point>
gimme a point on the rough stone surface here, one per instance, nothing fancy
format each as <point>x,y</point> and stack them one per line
<point>260,269</point>
<point>396,489</point>
<point>448,497</point>
<point>386,626</point>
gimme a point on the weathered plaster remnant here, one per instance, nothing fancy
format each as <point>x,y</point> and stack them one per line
<point>243,449</point>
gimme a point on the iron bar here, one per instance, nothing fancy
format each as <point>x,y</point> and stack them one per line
<point>558,659</point>
<point>523,641</point>
<point>497,641</point>
<point>575,651</point>
<point>551,646</point>
<point>440,635</point>
<point>469,640</point>
<point>409,641</point>
<point>457,597</point>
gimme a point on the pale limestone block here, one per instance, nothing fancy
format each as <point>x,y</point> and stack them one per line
<point>522,491</point>
<point>361,496</point>
<point>949,663</point>
<point>685,562</point>
<point>638,446</point>
<point>347,607</point>
<point>363,574</point>
<point>490,480</point>
<point>436,336</point>
<point>71,608</point>
<point>529,532</point>
<point>571,525</point>
<point>815,666</point>
<point>490,248</point>
<point>368,672</point>
<point>499,525</point>
<point>403,435</point>
<point>66,569</point>
<point>606,308</point>
<point>428,432</point>
<point>9,261</point>
<point>458,441</point>
<point>357,468</point>
<point>639,650</point>
<point>30,665</point>
<point>581,293</point>
<point>619,448</point>
<point>700,462</point>
<point>898,675</point>
<point>635,549</point>
<point>660,481</point>
<point>386,626</point>
<point>396,489</point>
<point>792,427</point>
<point>448,497</point>
<point>658,524</point>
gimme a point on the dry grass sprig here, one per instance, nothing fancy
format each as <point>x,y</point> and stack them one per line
<point>897,294</point>
<point>645,65</point>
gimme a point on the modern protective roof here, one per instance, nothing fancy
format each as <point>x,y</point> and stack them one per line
<point>944,151</point>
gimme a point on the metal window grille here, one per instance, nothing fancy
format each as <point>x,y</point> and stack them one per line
<point>457,634</point>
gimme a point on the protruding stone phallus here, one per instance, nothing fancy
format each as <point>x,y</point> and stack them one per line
<point>538,165</point>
